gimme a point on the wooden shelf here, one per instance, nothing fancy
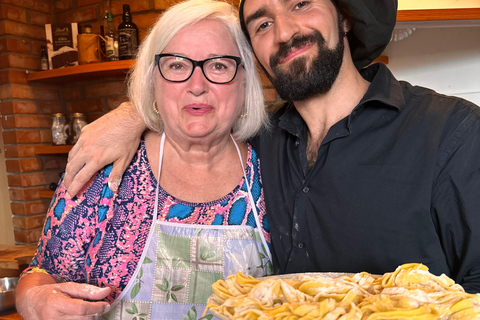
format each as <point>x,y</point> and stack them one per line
<point>47,194</point>
<point>44,149</point>
<point>84,72</point>
<point>438,14</point>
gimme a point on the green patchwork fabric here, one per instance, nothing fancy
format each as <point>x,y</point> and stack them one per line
<point>174,251</point>
<point>208,254</point>
<point>201,286</point>
<point>135,310</point>
<point>170,285</point>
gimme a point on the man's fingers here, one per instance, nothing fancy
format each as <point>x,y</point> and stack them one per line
<point>116,174</point>
<point>76,147</point>
<point>74,165</point>
<point>81,178</point>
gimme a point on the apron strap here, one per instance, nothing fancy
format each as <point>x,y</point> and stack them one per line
<point>252,203</point>
<point>160,161</point>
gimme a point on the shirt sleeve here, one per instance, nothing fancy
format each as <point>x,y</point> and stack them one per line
<point>70,226</point>
<point>456,201</point>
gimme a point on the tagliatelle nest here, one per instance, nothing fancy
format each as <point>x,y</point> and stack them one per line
<point>410,292</point>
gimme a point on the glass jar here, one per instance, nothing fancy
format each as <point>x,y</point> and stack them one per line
<point>60,129</point>
<point>77,123</point>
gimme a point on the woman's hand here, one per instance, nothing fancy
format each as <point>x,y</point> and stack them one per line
<point>113,138</point>
<point>62,301</point>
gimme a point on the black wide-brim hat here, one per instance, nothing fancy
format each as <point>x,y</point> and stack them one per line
<point>373,23</point>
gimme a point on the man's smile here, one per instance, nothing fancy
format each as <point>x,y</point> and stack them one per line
<point>294,53</point>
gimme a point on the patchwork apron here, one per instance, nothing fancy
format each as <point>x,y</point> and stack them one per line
<point>180,262</point>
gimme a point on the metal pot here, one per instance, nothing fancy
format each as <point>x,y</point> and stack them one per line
<point>7,293</point>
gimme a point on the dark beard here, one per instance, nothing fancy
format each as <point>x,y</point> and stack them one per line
<point>299,82</point>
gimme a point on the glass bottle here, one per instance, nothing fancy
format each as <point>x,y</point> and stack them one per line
<point>103,30</point>
<point>77,122</point>
<point>44,59</point>
<point>127,36</point>
<point>110,37</point>
<point>60,129</point>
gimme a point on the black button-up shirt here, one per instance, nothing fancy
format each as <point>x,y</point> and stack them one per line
<point>397,181</point>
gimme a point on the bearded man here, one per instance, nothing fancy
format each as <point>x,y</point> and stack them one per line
<point>361,172</point>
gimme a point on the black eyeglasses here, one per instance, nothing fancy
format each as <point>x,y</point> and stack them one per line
<point>176,68</point>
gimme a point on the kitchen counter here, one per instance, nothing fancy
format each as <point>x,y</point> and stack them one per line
<point>14,258</point>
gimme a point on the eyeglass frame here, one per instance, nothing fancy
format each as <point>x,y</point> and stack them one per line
<point>197,63</point>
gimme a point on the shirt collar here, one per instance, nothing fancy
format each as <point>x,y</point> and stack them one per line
<point>384,88</point>
<point>291,120</point>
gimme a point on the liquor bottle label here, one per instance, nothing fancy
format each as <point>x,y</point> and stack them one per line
<point>110,46</point>
<point>127,42</point>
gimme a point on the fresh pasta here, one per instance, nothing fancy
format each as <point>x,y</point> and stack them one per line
<point>410,292</point>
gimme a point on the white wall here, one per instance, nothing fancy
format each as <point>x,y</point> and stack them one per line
<point>446,60</point>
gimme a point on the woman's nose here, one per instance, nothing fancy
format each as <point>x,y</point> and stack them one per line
<point>198,84</point>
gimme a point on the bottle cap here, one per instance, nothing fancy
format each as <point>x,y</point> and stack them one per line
<point>126,7</point>
<point>87,28</point>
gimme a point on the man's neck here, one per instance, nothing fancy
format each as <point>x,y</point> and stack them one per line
<point>322,111</point>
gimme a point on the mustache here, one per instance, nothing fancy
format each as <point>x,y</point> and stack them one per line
<point>296,42</point>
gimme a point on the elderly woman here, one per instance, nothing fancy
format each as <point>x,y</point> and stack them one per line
<point>190,208</point>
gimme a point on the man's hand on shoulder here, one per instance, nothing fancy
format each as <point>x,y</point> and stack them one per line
<point>113,138</point>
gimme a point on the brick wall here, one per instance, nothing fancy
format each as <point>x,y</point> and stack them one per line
<point>25,112</point>
<point>26,108</point>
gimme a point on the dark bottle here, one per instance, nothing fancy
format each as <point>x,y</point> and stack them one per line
<point>44,58</point>
<point>127,36</point>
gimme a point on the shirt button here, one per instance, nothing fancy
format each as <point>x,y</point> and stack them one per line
<point>305,190</point>
<point>297,143</point>
<point>300,245</point>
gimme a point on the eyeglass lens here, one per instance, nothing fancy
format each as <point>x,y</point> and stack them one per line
<point>220,70</point>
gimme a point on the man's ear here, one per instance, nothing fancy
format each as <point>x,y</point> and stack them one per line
<point>347,24</point>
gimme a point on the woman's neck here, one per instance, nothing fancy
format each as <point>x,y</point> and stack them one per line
<point>194,172</point>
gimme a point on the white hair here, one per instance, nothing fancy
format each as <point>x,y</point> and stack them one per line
<point>141,86</point>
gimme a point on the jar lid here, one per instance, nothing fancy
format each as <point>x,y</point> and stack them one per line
<point>57,115</point>
<point>87,28</point>
<point>77,115</point>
